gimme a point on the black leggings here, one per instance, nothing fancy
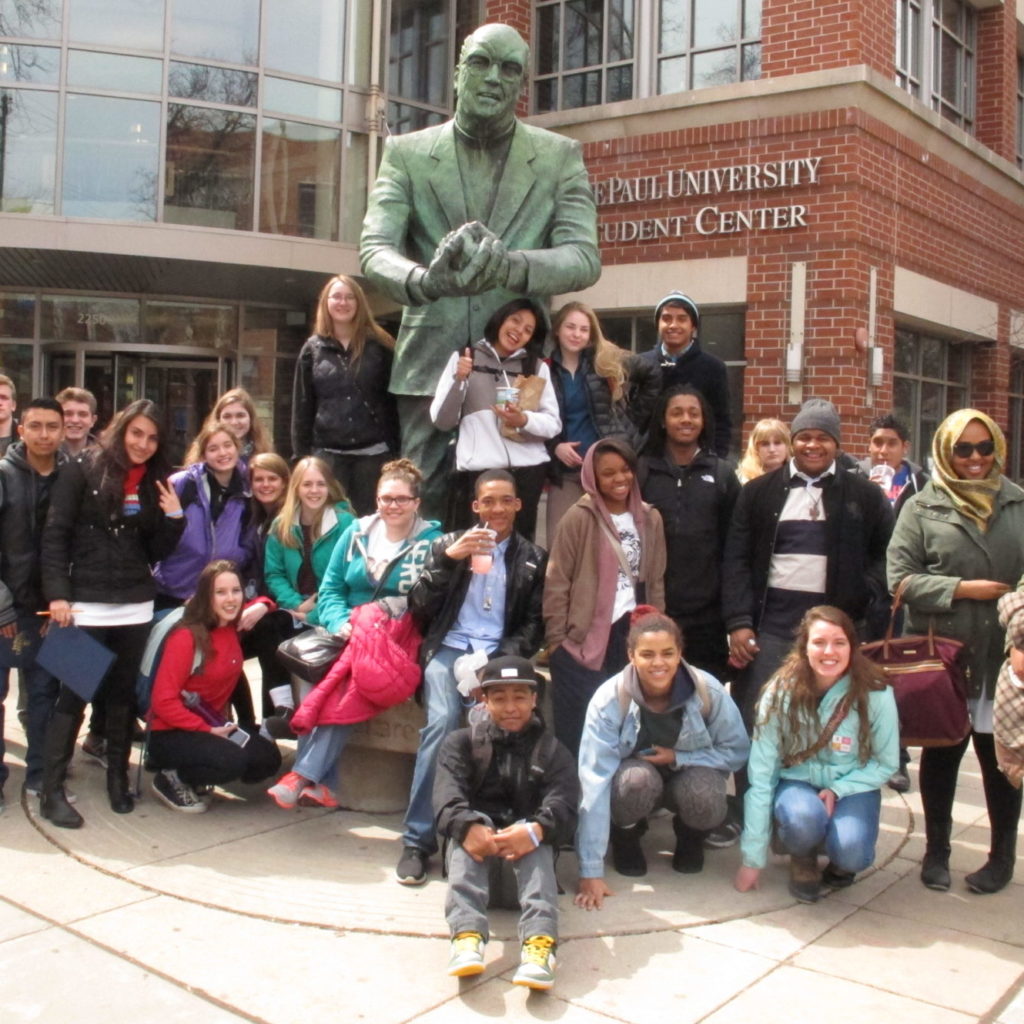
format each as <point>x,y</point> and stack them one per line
<point>939,769</point>
<point>202,759</point>
<point>118,686</point>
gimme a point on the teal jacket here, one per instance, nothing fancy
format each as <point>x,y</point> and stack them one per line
<point>281,563</point>
<point>836,766</point>
<point>348,581</point>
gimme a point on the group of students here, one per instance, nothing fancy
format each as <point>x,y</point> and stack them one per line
<point>657,547</point>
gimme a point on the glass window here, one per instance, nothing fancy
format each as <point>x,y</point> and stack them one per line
<point>930,381</point>
<point>227,30</point>
<point>39,19</point>
<point>17,315</point>
<point>138,25</point>
<point>703,43</point>
<point>353,209</point>
<point>189,323</point>
<point>210,164</point>
<point>38,64</point>
<point>109,71</point>
<point>110,158</point>
<point>215,85</point>
<point>1020,111</point>
<point>938,66</point>
<point>28,151</point>
<point>300,174</point>
<point>75,318</point>
<point>1015,436</point>
<point>305,37</point>
<point>16,363</point>
<point>425,37</point>
<point>585,53</point>
<point>301,99</point>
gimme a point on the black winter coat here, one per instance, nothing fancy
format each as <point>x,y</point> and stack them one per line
<point>91,551</point>
<point>436,597</point>
<point>508,791</point>
<point>696,504</point>
<point>334,407</point>
<point>858,523</point>
<point>626,418</point>
<point>24,501</point>
<point>706,373</point>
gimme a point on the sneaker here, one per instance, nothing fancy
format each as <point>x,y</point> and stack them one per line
<point>287,790</point>
<point>205,793</point>
<point>833,878</point>
<point>95,746</point>
<point>537,964</point>
<point>467,956</point>
<point>278,725</point>
<point>318,795</point>
<point>178,795</point>
<point>727,834</point>
<point>412,866</point>
<point>899,781</point>
<point>37,791</point>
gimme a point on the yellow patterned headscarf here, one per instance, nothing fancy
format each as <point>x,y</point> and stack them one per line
<point>972,498</point>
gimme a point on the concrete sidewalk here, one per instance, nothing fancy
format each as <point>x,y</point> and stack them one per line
<point>252,913</point>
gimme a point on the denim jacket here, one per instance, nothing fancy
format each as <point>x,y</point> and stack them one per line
<point>837,766</point>
<point>609,736</point>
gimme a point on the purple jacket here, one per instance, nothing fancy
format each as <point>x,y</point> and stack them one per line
<point>232,536</point>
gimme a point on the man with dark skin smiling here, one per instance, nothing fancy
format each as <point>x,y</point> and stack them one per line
<point>465,216</point>
<point>807,533</point>
<point>480,590</point>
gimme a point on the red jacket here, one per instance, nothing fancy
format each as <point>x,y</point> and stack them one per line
<point>378,668</point>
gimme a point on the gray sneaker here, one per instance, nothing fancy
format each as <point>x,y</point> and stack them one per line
<point>178,795</point>
<point>537,964</point>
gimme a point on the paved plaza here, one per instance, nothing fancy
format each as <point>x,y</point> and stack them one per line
<point>256,914</point>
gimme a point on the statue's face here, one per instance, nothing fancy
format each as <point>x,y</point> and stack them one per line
<point>489,77</point>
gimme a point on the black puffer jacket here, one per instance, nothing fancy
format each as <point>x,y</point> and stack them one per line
<point>24,500</point>
<point>93,552</point>
<point>626,418</point>
<point>334,407</point>
<point>509,790</point>
<point>858,523</point>
<point>696,504</point>
<point>436,597</point>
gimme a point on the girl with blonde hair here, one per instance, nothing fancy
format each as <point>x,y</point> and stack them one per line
<point>768,448</point>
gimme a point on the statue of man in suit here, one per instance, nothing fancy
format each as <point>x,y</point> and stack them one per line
<point>465,216</point>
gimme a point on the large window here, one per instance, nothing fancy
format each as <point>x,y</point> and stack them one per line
<point>930,377</point>
<point>600,51</point>
<point>935,55</point>
<point>1015,438</point>
<point>721,332</point>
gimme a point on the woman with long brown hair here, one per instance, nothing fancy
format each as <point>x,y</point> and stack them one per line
<point>825,742</point>
<point>341,408</point>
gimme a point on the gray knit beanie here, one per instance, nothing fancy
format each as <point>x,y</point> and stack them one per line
<point>679,299</point>
<point>817,414</point>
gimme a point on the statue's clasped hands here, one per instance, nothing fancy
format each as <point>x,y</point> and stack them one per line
<point>469,260</point>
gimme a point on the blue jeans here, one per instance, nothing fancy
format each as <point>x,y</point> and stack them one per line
<point>318,758</point>
<point>849,835</point>
<point>443,705</point>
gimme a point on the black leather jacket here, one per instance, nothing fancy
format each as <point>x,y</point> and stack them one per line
<point>437,596</point>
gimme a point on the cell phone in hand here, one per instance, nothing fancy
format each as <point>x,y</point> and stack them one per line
<point>647,752</point>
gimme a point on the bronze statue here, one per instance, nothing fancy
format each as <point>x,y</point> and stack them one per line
<point>465,216</point>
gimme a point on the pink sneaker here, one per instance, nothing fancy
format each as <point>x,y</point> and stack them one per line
<point>317,795</point>
<point>286,791</point>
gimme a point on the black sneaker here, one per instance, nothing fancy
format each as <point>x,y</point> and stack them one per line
<point>176,794</point>
<point>412,867</point>
<point>833,878</point>
<point>899,781</point>
<point>727,834</point>
<point>278,725</point>
<point>95,746</point>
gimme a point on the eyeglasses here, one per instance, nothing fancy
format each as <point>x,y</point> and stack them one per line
<point>400,501</point>
<point>964,449</point>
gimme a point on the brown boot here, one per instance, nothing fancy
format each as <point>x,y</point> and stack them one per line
<point>804,878</point>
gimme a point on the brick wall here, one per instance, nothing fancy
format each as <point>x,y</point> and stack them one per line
<point>810,35</point>
<point>996,62</point>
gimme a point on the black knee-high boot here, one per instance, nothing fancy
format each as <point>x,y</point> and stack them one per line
<point>939,768</point>
<point>1004,805</point>
<point>59,746</point>
<point>120,728</point>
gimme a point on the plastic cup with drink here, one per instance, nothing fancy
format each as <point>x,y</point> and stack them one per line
<point>480,562</point>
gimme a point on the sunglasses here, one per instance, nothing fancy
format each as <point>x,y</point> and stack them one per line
<point>964,449</point>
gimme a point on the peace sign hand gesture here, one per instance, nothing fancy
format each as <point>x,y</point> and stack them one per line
<point>168,498</point>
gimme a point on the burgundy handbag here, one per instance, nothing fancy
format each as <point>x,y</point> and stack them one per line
<point>928,675</point>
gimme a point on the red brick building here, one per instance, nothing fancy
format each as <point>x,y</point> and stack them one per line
<point>847,206</point>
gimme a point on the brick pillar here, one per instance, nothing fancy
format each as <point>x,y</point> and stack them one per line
<point>990,374</point>
<point>810,35</point>
<point>996,63</point>
<point>517,13</point>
